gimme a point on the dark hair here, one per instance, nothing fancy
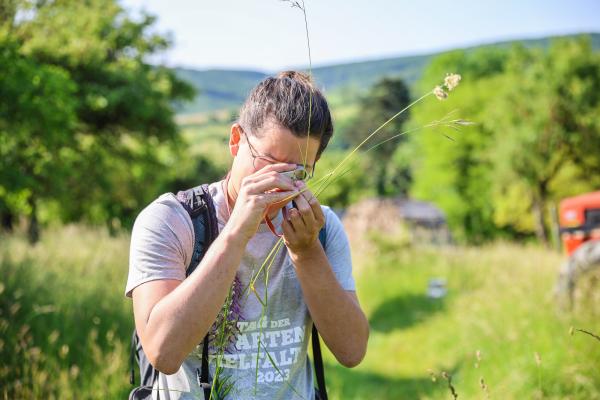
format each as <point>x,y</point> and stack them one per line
<point>291,100</point>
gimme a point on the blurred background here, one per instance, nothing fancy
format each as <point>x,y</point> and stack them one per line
<point>475,249</point>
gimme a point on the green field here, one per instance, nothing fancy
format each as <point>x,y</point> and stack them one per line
<point>500,302</point>
<point>65,325</point>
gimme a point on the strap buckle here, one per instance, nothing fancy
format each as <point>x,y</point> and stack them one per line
<point>203,385</point>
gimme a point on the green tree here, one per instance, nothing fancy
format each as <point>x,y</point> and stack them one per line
<point>351,183</point>
<point>535,141</point>
<point>105,140</point>
<point>455,174</point>
<point>547,119</point>
<point>384,99</point>
<point>37,119</point>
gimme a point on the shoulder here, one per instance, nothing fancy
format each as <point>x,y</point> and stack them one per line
<point>214,188</point>
<point>331,218</point>
<point>337,248</point>
<point>165,219</point>
<point>165,210</point>
<point>161,243</point>
<point>334,228</point>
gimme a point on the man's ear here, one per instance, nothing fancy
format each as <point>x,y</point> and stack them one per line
<point>234,139</point>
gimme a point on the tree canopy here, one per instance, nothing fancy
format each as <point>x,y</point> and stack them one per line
<point>85,120</point>
<point>535,142</point>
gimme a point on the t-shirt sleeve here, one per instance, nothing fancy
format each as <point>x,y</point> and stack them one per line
<point>337,248</point>
<point>161,239</point>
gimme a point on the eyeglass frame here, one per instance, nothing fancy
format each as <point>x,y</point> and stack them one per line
<point>271,160</point>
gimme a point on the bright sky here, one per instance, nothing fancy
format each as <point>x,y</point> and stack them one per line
<point>269,34</point>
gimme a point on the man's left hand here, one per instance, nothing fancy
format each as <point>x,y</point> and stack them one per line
<point>302,225</point>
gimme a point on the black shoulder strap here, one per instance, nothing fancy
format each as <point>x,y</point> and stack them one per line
<point>316,344</point>
<point>318,362</point>
<point>199,205</point>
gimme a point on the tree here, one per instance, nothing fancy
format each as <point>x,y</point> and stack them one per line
<point>351,183</point>
<point>385,98</point>
<point>37,118</point>
<point>87,99</point>
<point>455,173</point>
<point>546,119</point>
<point>535,142</point>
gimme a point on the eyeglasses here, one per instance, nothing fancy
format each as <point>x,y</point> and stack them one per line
<point>298,174</point>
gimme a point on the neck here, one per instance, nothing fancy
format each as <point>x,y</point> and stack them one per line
<point>231,193</point>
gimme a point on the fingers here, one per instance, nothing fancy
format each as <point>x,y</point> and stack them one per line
<point>269,178</point>
<point>317,211</point>
<point>288,231</point>
<point>301,224</point>
<point>279,167</point>
<point>305,210</point>
<point>310,205</point>
<point>276,197</point>
<point>269,181</point>
<point>296,221</point>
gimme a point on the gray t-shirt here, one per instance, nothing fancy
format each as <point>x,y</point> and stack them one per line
<point>267,356</point>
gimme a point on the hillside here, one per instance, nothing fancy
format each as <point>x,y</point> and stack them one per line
<point>225,89</point>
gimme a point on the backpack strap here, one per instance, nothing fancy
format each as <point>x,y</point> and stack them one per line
<point>316,344</point>
<point>148,374</point>
<point>323,237</point>
<point>199,205</point>
<point>318,363</point>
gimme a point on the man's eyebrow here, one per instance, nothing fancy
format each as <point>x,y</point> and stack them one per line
<point>277,159</point>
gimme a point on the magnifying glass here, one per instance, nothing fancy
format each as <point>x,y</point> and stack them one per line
<point>298,174</point>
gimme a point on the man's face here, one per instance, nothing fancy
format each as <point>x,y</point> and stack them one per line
<point>273,144</point>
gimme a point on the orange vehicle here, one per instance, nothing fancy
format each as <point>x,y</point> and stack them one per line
<point>579,219</point>
<point>579,277</point>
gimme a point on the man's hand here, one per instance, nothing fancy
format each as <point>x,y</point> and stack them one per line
<point>335,311</point>
<point>302,225</point>
<point>257,192</point>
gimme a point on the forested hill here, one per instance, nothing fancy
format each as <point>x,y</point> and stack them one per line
<point>222,89</point>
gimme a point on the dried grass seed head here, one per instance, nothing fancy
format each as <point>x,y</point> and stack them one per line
<point>439,93</point>
<point>451,81</point>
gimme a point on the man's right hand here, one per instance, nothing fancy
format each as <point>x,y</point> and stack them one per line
<point>257,192</point>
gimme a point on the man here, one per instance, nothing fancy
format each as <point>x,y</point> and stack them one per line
<point>305,282</point>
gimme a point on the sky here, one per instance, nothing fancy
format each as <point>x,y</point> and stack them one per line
<point>269,35</point>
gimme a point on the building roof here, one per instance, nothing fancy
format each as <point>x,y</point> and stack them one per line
<point>419,211</point>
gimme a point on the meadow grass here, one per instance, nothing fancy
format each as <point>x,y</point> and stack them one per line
<point>65,324</point>
<point>500,303</point>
